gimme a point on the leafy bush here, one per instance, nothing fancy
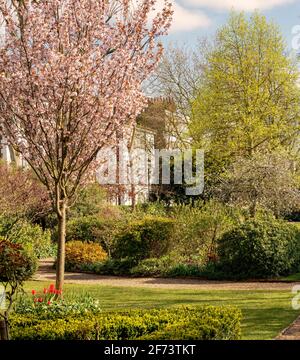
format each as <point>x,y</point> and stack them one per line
<point>206,322</point>
<point>146,238</point>
<point>213,271</point>
<point>152,267</point>
<point>185,270</point>
<point>260,248</point>
<point>197,228</point>
<point>82,228</point>
<point>108,267</point>
<point>79,253</point>
<point>89,202</point>
<point>165,266</point>
<point>101,228</point>
<point>16,266</point>
<point>148,208</point>
<point>32,237</point>
<point>35,240</point>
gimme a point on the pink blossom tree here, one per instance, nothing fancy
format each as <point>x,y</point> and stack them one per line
<point>70,78</point>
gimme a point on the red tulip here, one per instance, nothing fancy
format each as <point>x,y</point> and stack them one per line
<point>52,288</point>
<point>49,302</point>
<point>35,300</point>
<point>33,292</point>
<point>45,291</point>
<point>40,299</point>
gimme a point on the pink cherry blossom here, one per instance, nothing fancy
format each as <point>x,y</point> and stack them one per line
<point>71,74</point>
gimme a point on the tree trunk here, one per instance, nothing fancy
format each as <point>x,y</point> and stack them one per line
<point>3,330</point>
<point>133,198</point>
<point>60,266</point>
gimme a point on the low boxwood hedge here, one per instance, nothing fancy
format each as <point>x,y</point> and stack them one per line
<point>203,323</point>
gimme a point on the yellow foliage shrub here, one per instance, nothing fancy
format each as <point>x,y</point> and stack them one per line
<point>78,253</point>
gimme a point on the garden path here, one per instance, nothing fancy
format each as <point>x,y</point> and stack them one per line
<point>46,273</point>
<point>292,332</point>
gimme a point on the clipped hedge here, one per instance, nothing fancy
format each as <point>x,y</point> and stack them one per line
<point>146,238</point>
<point>261,249</point>
<point>206,322</point>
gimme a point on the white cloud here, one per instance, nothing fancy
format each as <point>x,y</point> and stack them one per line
<point>247,5</point>
<point>186,19</point>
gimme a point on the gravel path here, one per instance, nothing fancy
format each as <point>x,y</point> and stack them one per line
<point>292,332</point>
<point>46,273</point>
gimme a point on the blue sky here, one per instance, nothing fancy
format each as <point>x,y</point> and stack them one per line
<point>196,18</point>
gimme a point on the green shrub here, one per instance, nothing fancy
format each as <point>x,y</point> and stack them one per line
<point>112,267</point>
<point>197,228</point>
<point>206,322</point>
<point>16,265</point>
<point>166,266</point>
<point>82,228</point>
<point>152,267</point>
<point>32,237</point>
<point>260,248</point>
<point>80,253</point>
<point>90,201</point>
<point>148,209</point>
<point>101,228</point>
<point>184,270</point>
<point>108,267</point>
<point>214,271</point>
<point>146,238</point>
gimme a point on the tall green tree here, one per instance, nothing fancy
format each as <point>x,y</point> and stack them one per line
<point>248,100</point>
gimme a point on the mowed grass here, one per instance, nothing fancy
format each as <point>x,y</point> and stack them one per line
<point>265,313</point>
<point>296,224</point>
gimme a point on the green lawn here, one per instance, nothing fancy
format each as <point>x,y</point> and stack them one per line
<point>296,224</point>
<point>265,313</point>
